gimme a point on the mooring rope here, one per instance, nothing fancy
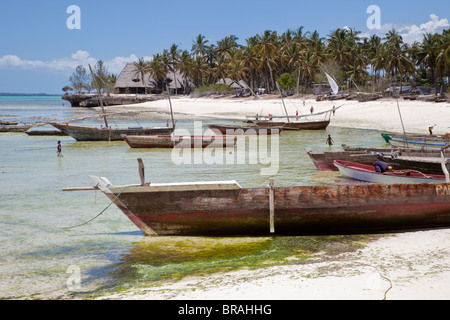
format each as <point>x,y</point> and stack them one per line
<point>98,215</point>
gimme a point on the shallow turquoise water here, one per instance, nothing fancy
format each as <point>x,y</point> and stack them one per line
<point>38,256</point>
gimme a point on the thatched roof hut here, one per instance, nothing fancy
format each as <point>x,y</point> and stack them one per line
<point>241,84</point>
<point>129,81</point>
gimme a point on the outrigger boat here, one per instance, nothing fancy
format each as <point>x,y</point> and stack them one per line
<point>225,208</point>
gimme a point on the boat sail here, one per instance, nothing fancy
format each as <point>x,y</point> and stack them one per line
<point>333,84</point>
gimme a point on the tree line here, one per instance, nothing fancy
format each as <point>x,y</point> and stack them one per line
<point>300,58</point>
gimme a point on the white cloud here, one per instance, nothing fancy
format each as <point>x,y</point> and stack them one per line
<point>66,64</point>
<point>411,33</point>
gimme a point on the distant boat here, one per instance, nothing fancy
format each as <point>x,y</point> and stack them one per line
<point>170,141</point>
<point>90,133</point>
<point>435,141</point>
<point>298,122</point>
<point>224,208</point>
<point>107,133</point>
<point>224,129</point>
<point>367,173</point>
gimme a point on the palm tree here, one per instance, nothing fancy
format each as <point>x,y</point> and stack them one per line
<point>174,59</point>
<point>267,50</point>
<point>199,49</point>
<point>398,62</point>
<point>185,66</point>
<point>142,68</point>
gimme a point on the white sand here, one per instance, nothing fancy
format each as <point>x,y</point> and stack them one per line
<point>383,114</point>
<point>403,266</point>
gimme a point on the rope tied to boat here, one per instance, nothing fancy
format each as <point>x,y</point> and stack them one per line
<point>103,211</point>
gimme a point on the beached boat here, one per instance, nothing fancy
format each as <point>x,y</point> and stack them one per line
<point>426,164</point>
<point>414,140</point>
<point>324,160</point>
<point>171,141</point>
<point>244,129</point>
<point>89,133</point>
<point>225,208</point>
<point>367,173</point>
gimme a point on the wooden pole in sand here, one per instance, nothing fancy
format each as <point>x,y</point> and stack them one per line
<point>272,206</point>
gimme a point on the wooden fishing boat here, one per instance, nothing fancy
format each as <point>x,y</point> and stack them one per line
<point>296,125</point>
<point>170,141</point>
<point>90,133</point>
<point>426,164</point>
<point>225,208</point>
<point>410,140</point>
<point>324,160</point>
<point>367,173</point>
<point>224,129</point>
<point>15,127</point>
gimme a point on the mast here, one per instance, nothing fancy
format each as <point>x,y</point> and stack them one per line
<point>99,96</point>
<point>282,100</point>
<point>171,112</point>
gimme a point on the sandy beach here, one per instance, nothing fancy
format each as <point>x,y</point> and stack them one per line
<point>400,266</point>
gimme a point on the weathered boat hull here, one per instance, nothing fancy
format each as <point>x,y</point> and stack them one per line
<point>15,128</point>
<point>85,133</point>
<point>244,130</point>
<point>324,161</point>
<point>194,210</point>
<point>367,173</point>
<point>179,141</point>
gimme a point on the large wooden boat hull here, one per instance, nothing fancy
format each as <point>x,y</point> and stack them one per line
<point>245,130</point>
<point>227,209</point>
<point>367,173</point>
<point>86,133</point>
<point>179,141</point>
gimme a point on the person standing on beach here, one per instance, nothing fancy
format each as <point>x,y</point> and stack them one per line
<point>334,110</point>
<point>430,129</point>
<point>59,149</point>
<point>312,109</point>
<point>329,141</point>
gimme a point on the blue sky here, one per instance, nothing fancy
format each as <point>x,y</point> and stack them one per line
<point>38,52</point>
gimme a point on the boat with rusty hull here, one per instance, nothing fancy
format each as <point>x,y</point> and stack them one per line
<point>225,208</point>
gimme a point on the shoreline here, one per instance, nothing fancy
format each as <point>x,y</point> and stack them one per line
<point>402,266</point>
<point>397,266</point>
<point>382,114</point>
